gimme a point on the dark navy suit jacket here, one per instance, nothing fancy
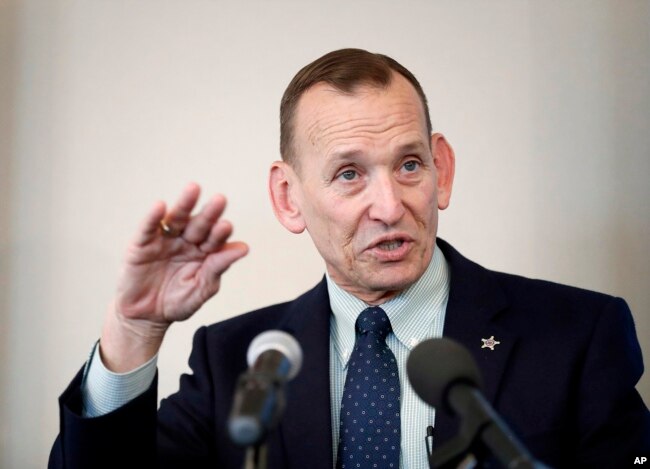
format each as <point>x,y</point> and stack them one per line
<point>563,378</point>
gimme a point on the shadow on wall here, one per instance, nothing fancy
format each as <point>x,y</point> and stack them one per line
<point>629,60</point>
<point>7,85</point>
<point>597,148</point>
<point>630,122</point>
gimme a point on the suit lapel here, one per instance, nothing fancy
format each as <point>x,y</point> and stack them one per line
<point>474,314</point>
<point>306,425</point>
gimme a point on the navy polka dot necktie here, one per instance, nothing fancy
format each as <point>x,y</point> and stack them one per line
<point>370,409</point>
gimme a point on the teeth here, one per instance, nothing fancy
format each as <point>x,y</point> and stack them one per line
<point>390,245</point>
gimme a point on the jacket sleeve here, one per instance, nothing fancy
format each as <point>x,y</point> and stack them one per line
<point>125,437</point>
<point>185,431</point>
<point>188,419</point>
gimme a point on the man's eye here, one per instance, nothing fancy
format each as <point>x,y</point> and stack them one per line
<point>411,165</point>
<point>349,174</point>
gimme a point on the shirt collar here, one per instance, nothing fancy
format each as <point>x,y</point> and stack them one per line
<point>410,312</point>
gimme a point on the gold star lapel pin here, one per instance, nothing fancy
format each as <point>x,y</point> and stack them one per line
<point>490,343</point>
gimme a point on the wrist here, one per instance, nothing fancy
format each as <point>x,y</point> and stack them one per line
<point>127,343</point>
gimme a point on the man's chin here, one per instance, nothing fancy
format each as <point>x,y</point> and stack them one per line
<point>392,281</point>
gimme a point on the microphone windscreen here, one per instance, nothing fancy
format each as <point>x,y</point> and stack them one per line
<point>280,341</point>
<point>434,365</point>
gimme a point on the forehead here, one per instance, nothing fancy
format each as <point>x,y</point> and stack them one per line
<point>325,114</point>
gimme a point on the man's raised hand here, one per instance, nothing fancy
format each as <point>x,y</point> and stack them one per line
<point>168,274</point>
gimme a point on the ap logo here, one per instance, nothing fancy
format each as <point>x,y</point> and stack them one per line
<point>640,460</point>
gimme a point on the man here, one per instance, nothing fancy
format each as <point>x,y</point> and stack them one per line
<point>363,173</point>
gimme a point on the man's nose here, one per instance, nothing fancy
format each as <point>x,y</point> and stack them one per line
<point>386,204</point>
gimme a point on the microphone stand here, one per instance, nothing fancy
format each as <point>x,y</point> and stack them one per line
<point>274,357</point>
<point>479,437</point>
<point>256,454</point>
<point>256,457</point>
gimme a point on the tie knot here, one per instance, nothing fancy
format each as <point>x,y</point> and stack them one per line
<point>374,319</point>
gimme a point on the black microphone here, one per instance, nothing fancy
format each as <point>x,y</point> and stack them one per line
<point>274,357</point>
<point>444,374</point>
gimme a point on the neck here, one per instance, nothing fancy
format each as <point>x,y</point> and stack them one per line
<point>376,298</point>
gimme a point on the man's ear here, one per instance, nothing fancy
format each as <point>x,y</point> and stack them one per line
<point>284,191</point>
<point>445,163</point>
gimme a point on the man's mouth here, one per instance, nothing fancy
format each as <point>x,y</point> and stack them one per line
<point>390,245</point>
<point>392,248</point>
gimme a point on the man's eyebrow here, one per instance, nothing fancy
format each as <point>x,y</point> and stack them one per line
<point>346,152</point>
<point>343,153</point>
<point>411,147</point>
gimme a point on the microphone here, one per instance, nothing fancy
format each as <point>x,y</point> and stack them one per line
<point>444,375</point>
<point>274,357</point>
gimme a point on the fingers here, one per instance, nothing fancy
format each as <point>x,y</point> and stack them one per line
<point>205,229</point>
<point>151,224</point>
<point>218,262</point>
<point>218,236</point>
<point>178,217</point>
<point>200,226</point>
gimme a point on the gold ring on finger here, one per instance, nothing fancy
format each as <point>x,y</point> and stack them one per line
<point>168,231</point>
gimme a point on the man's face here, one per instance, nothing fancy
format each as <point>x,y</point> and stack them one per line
<point>366,188</point>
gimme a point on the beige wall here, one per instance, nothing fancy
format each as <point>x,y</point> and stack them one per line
<point>106,106</point>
